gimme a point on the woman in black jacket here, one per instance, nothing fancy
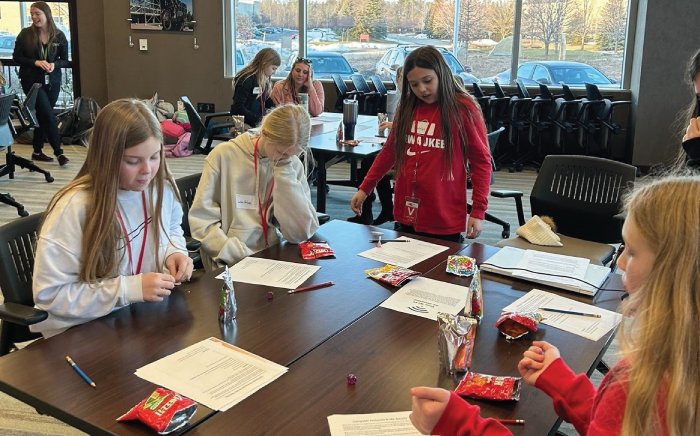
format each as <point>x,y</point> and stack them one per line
<point>252,87</point>
<point>691,139</point>
<point>41,51</point>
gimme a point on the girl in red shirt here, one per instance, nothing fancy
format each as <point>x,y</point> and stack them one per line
<point>438,130</point>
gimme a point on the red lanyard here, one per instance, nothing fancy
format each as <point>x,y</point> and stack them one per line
<point>414,183</point>
<point>126,236</point>
<point>262,210</point>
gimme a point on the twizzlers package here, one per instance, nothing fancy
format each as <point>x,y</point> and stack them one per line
<point>164,411</point>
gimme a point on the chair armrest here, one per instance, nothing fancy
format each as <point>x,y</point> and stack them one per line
<point>615,103</point>
<point>517,196</point>
<point>209,117</point>
<point>21,314</point>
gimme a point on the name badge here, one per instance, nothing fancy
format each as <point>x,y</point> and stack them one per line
<point>246,202</point>
<point>256,90</point>
<point>411,210</point>
<point>47,79</point>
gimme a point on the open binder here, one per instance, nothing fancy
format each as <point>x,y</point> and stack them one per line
<point>506,261</point>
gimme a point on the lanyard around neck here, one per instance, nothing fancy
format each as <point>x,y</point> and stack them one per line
<point>128,242</point>
<point>262,208</point>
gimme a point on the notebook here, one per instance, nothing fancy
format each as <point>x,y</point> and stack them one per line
<point>509,257</point>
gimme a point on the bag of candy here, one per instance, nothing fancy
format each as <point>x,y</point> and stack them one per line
<point>456,336</point>
<point>517,324</point>
<point>489,387</point>
<point>164,411</point>
<point>394,275</point>
<point>475,304</point>
<point>315,250</point>
<point>462,266</point>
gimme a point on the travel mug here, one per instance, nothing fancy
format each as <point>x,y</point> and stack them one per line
<point>350,110</point>
<point>303,100</point>
<point>380,119</point>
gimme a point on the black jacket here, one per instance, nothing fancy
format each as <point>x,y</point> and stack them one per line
<point>692,150</point>
<point>25,57</point>
<point>248,104</point>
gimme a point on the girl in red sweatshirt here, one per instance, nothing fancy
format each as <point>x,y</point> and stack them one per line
<point>438,130</point>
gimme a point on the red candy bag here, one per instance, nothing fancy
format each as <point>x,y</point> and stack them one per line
<point>489,387</point>
<point>164,411</point>
<point>517,324</point>
<point>315,250</point>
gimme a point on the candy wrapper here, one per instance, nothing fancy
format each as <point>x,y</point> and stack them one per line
<point>227,305</point>
<point>164,411</point>
<point>517,324</point>
<point>455,342</point>
<point>475,302</point>
<point>489,387</point>
<point>394,275</point>
<point>315,250</point>
<point>463,266</point>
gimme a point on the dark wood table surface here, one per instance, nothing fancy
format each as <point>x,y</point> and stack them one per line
<point>390,352</point>
<point>324,147</point>
<point>282,330</point>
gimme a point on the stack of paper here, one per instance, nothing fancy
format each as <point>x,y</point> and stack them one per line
<point>212,372</point>
<point>405,254</point>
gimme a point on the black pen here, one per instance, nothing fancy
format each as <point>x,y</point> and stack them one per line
<point>389,240</point>
<point>571,312</point>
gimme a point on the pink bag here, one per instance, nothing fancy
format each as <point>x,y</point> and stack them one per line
<point>179,149</point>
<point>171,131</point>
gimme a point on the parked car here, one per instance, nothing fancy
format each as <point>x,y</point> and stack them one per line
<point>555,72</point>
<point>395,57</point>
<point>241,60</point>
<point>324,64</point>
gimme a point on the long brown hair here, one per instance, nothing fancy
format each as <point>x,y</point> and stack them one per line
<point>451,105</point>
<point>34,39</point>
<point>288,82</point>
<point>660,339</point>
<point>690,112</point>
<point>263,59</point>
<point>120,125</point>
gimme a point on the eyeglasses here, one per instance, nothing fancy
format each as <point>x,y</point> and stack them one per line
<point>304,60</point>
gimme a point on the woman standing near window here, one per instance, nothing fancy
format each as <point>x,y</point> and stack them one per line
<point>300,80</point>
<point>41,51</point>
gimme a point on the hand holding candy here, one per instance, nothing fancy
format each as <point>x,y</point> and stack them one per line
<point>427,407</point>
<point>536,359</point>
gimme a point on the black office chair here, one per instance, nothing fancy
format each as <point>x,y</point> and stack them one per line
<point>493,139</point>
<point>519,110</point>
<point>484,102</point>
<point>187,186</point>
<point>370,100</point>
<point>601,117</point>
<point>342,92</point>
<point>583,195</point>
<point>17,249</point>
<point>381,89</point>
<point>199,127</point>
<point>23,112</point>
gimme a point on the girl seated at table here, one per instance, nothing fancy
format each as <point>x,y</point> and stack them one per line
<point>109,234</point>
<point>300,80</point>
<point>653,390</point>
<point>254,191</point>
<point>252,86</point>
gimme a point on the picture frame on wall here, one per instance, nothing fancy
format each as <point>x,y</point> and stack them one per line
<point>165,15</point>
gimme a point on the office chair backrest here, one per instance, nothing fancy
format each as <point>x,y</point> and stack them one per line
<point>545,93</point>
<point>358,80</point>
<point>477,91</point>
<point>493,140</point>
<point>378,85</point>
<point>27,106</point>
<point>499,92</point>
<point>187,186</point>
<point>592,92</point>
<point>17,248</point>
<point>196,125</point>
<point>6,138</point>
<point>340,85</point>
<point>522,90</point>
<point>583,195</point>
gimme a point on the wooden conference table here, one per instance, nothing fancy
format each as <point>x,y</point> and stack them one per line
<point>282,330</point>
<point>390,352</point>
<point>324,147</point>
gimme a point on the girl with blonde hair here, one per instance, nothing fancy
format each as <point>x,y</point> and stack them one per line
<point>252,87</point>
<point>254,191</point>
<point>653,390</point>
<point>109,234</point>
<point>300,80</point>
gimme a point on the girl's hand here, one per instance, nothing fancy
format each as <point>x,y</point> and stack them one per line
<point>385,125</point>
<point>180,266</point>
<point>357,200</point>
<point>427,407</point>
<point>693,130</point>
<point>155,286</point>
<point>474,227</point>
<point>536,359</point>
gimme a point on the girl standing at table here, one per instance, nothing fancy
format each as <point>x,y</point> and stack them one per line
<point>254,191</point>
<point>438,130</point>
<point>654,389</point>
<point>109,234</point>
<point>300,80</point>
<point>252,86</point>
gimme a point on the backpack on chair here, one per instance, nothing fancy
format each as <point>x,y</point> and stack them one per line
<point>74,127</point>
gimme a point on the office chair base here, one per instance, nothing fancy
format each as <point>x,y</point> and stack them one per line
<point>10,201</point>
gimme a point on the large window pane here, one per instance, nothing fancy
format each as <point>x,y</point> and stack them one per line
<point>576,41</point>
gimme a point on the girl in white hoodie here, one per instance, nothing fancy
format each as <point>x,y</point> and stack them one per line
<point>254,191</point>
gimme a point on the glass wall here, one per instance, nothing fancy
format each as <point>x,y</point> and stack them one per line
<point>14,16</point>
<point>374,36</point>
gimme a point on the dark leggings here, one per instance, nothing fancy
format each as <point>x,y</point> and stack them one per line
<point>46,130</point>
<point>453,237</point>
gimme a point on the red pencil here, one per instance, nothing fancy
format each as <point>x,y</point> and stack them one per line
<point>311,287</point>
<point>511,421</point>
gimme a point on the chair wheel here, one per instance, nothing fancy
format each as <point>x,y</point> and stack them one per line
<point>49,178</point>
<point>22,212</point>
<point>505,234</point>
<point>498,167</point>
<point>519,168</point>
<point>511,169</point>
